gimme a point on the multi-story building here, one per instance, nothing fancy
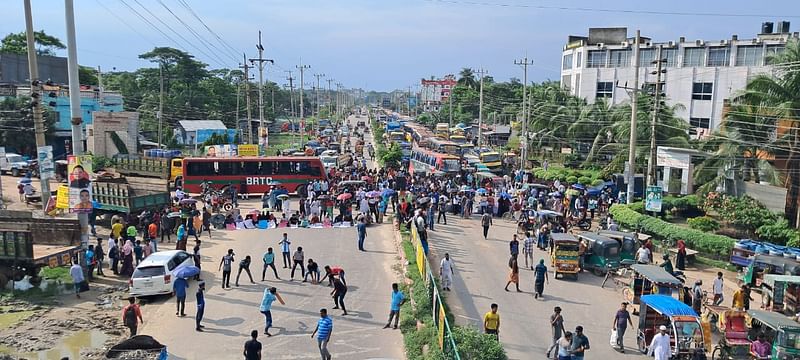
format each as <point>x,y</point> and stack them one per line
<point>434,92</point>
<point>700,74</point>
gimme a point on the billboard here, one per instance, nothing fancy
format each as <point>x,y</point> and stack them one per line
<point>202,135</point>
<point>79,168</point>
<point>248,150</point>
<point>46,165</point>
<point>220,150</point>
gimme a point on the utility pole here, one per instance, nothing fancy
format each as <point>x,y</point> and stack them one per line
<point>330,97</point>
<point>238,95</point>
<point>634,113</point>
<point>339,100</point>
<point>160,112</point>
<point>261,62</point>
<point>524,151</point>
<point>481,73</point>
<point>651,164</point>
<point>450,100</point>
<point>247,98</point>
<point>302,69</point>
<point>36,100</point>
<point>291,100</point>
<point>316,93</point>
<point>408,101</point>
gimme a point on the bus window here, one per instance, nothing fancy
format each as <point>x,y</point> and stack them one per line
<point>306,168</point>
<point>250,168</point>
<point>228,168</point>
<point>266,168</point>
<point>284,168</point>
<point>199,168</point>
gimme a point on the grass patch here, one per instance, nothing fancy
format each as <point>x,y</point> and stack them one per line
<point>8,319</point>
<point>60,274</point>
<point>715,263</point>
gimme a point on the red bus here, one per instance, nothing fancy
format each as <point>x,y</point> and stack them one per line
<point>429,162</point>
<point>251,174</point>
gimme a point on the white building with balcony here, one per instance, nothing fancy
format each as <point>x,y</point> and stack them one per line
<point>700,74</point>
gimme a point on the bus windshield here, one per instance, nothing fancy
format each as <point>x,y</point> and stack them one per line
<point>490,157</point>
<point>451,165</point>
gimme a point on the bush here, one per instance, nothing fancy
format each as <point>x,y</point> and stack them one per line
<point>584,180</point>
<point>704,224</point>
<point>597,182</point>
<point>778,232</point>
<point>474,345</point>
<point>572,179</point>
<point>710,245</point>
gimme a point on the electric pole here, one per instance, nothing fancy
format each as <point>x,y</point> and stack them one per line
<point>36,102</point>
<point>339,100</point>
<point>247,99</point>
<point>330,97</point>
<point>316,93</point>
<point>634,113</point>
<point>238,95</point>
<point>450,100</point>
<point>291,100</point>
<point>160,112</point>
<point>261,62</point>
<point>481,72</point>
<point>524,151</point>
<point>302,69</point>
<point>651,164</point>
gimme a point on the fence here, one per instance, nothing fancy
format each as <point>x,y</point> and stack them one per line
<point>446,341</point>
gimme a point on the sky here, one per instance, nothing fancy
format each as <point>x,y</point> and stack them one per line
<point>380,44</point>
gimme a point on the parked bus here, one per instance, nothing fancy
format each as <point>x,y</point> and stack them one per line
<point>397,136</point>
<point>444,146</point>
<point>442,130</point>
<point>492,160</point>
<point>251,174</point>
<point>429,162</point>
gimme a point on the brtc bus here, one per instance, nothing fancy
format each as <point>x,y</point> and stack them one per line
<point>252,174</point>
<point>430,162</point>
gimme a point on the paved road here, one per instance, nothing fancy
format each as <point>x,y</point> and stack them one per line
<point>231,314</point>
<point>481,271</point>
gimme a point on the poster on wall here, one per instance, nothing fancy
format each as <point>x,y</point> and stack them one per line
<point>80,183</point>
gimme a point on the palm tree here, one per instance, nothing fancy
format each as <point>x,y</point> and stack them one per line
<point>466,77</point>
<point>781,93</point>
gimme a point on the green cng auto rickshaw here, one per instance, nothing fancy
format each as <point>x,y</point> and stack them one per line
<point>602,253</point>
<point>651,279</point>
<point>781,331</point>
<point>627,241</point>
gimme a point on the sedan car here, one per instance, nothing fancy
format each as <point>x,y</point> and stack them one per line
<point>154,275</point>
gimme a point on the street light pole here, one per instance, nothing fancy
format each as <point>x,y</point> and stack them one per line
<point>524,151</point>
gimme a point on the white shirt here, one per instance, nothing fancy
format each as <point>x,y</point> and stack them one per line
<point>660,347</point>
<point>643,255</point>
<point>446,267</point>
<point>717,286</point>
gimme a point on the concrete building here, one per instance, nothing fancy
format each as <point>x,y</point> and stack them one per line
<point>113,133</point>
<point>192,132</point>
<point>435,92</point>
<point>700,74</point>
<point>14,69</point>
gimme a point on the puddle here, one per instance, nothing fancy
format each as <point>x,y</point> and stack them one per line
<point>69,346</point>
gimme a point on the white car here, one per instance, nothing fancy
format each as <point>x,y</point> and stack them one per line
<point>13,163</point>
<point>154,275</point>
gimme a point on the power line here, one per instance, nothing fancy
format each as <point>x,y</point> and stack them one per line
<point>219,38</point>
<point>194,33</point>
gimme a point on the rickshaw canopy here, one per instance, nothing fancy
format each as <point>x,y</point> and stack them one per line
<point>559,237</point>
<point>667,306</point>
<point>773,319</point>
<point>656,274</point>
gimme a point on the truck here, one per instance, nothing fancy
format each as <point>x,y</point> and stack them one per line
<point>170,168</point>
<point>28,243</point>
<point>129,195</point>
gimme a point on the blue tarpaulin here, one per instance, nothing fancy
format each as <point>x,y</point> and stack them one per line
<point>667,306</point>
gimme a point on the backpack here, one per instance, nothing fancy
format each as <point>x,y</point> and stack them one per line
<point>130,316</point>
<point>113,253</point>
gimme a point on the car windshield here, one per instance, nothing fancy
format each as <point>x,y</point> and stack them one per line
<point>689,335</point>
<point>14,158</point>
<point>148,271</point>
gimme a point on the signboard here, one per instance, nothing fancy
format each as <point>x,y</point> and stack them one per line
<point>202,135</point>
<point>248,150</point>
<point>79,168</point>
<point>46,165</point>
<point>220,150</point>
<point>62,197</point>
<point>652,201</point>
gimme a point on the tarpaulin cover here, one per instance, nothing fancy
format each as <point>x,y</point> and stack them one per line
<point>667,306</point>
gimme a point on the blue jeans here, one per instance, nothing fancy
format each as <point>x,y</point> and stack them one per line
<point>268,319</point>
<point>199,317</point>
<point>361,238</point>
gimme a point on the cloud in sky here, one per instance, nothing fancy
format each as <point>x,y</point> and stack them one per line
<point>381,44</point>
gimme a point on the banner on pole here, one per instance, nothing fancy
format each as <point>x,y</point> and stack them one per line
<point>79,168</point>
<point>652,200</point>
<point>46,165</point>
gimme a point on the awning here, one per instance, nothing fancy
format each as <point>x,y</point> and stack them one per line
<point>667,306</point>
<point>656,274</point>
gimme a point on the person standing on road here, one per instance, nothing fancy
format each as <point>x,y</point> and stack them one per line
<point>338,293</point>
<point>91,262</point>
<point>225,266</point>
<point>443,201</point>
<point>486,221</point>
<point>540,276</point>
<point>113,255</point>
<point>643,255</point>
<point>76,272</point>
<point>201,306</point>
<point>660,346</point>
<point>398,299</point>
<point>580,343</point>
<point>557,327</point>
<point>697,296</point>
<point>564,345</point>
<point>491,322</point>
<point>99,256</point>
<point>286,251</point>
<point>132,316</point>
<point>513,247</point>
<point>244,265</point>
<point>197,258</point>
<point>621,321</point>
<point>362,233</point>
<point>324,330</point>
<point>446,272</point>
<point>513,277</point>
<point>298,258</point>
<point>269,261</point>
<point>717,288</point>
<point>179,287</point>
<point>527,250</point>
<point>270,295</point>
<point>252,347</point>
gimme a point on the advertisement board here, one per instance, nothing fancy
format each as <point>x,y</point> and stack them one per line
<point>79,168</point>
<point>248,150</point>
<point>652,201</point>
<point>46,165</point>
<point>220,150</point>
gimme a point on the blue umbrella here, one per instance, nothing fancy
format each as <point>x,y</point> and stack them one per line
<point>187,272</point>
<point>505,195</point>
<point>25,180</point>
<point>388,192</point>
<point>481,191</point>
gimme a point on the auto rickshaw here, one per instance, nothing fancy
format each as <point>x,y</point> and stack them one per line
<point>627,241</point>
<point>734,343</point>
<point>781,331</point>
<point>564,254</point>
<point>651,279</point>
<point>761,265</point>
<point>602,253</point>
<point>683,326</point>
<point>781,293</point>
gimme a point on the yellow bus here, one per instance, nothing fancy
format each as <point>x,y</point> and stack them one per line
<point>442,130</point>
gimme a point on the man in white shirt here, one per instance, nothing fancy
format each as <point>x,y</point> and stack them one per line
<point>659,346</point>
<point>643,255</point>
<point>717,289</point>
<point>446,272</point>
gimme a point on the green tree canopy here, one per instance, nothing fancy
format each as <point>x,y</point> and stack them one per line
<point>17,43</point>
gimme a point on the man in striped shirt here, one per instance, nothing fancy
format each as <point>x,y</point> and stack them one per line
<point>323,331</point>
